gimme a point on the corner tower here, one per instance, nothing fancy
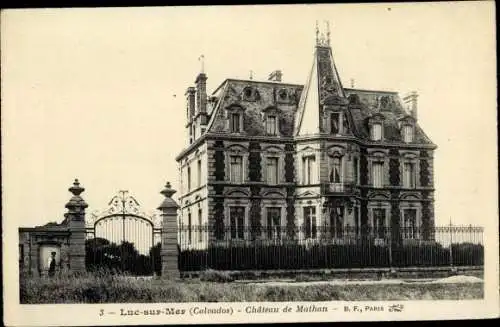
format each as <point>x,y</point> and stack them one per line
<point>327,158</point>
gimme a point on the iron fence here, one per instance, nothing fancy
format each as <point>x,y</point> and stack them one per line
<point>288,247</point>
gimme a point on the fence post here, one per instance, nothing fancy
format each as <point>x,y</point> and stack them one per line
<point>76,222</point>
<point>169,252</point>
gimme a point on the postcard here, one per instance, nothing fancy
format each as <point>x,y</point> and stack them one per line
<point>236,164</point>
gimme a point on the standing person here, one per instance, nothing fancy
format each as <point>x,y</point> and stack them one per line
<point>52,264</point>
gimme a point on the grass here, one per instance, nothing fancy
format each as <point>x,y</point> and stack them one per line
<point>106,288</point>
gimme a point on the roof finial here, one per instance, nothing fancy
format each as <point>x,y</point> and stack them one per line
<point>327,32</point>
<point>251,74</point>
<point>352,83</point>
<point>202,60</point>
<point>317,33</point>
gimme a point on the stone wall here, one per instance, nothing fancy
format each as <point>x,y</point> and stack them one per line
<point>36,244</point>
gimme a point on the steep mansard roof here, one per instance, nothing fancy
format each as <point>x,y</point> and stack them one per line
<point>285,97</point>
<point>300,107</point>
<point>255,98</point>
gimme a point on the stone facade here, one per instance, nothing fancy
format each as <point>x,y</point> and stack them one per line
<point>294,155</point>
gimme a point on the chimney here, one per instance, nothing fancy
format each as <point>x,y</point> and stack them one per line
<point>201,93</point>
<point>410,102</point>
<point>275,76</point>
<point>190,99</point>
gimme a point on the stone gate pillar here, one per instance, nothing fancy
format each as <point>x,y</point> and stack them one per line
<point>76,222</point>
<point>169,252</point>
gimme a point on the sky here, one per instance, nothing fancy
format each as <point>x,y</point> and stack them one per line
<point>98,94</point>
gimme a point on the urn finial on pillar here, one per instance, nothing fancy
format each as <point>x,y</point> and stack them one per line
<point>76,203</point>
<point>168,202</point>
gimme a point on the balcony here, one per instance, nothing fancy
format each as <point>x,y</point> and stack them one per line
<point>338,188</point>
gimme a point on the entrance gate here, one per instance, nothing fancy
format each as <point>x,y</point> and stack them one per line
<point>123,238</point>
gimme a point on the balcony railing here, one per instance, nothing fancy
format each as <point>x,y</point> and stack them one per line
<point>338,187</point>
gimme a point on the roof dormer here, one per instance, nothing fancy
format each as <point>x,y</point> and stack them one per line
<point>234,114</point>
<point>250,94</point>
<point>406,126</point>
<point>376,126</point>
<point>271,117</point>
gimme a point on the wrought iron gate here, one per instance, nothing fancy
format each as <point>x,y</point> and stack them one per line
<point>123,238</point>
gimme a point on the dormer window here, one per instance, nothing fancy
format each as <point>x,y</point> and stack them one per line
<point>250,94</point>
<point>270,116</point>
<point>345,124</point>
<point>235,115</point>
<point>235,122</point>
<point>407,133</point>
<point>283,95</point>
<point>376,132</point>
<point>338,123</point>
<point>271,125</point>
<point>335,123</point>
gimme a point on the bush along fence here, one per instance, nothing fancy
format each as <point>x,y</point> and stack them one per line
<point>282,247</point>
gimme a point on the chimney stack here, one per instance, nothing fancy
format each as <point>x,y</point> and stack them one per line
<point>190,99</point>
<point>201,93</point>
<point>410,102</point>
<point>275,76</point>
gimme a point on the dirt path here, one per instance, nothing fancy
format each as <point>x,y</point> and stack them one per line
<point>447,280</point>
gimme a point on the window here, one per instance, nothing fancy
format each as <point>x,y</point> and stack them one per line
<point>273,223</point>
<point>376,132</point>
<point>272,170</point>
<point>200,229</point>
<point>355,168</point>
<point>409,175</point>
<point>271,125</point>
<point>199,173</point>
<point>190,231</point>
<point>409,223</point>
<point>336,222</point>
<point>235,123</point>
<point>310,222</point>
<point>237,222</point>
<point>345,124</point>
<point>336,171</point>
<point>379,222</point>
<point>334,123</point>
<point>189,178</point>
<point>236,167</point>
<point>377,174</point>
<point>408,133</point>
<point>308,169</point>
